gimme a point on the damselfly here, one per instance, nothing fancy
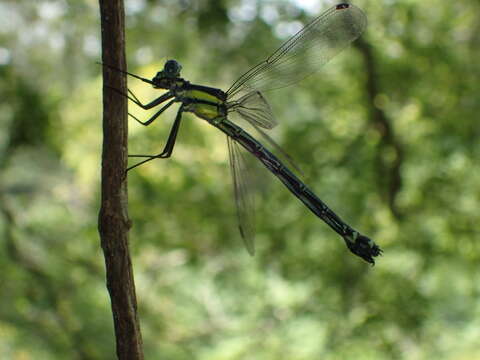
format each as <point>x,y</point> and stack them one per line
<point>298,57</point>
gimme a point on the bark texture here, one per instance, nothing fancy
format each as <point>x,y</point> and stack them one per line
<point>113,217</point>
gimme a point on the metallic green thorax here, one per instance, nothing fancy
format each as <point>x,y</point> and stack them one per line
<point>205,102</point>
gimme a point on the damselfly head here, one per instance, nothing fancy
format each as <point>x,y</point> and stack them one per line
<point>342,6</point>
<point>172,68</point>
<point>164,79</point>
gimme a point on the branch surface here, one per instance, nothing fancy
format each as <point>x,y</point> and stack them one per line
<point>113,223</point>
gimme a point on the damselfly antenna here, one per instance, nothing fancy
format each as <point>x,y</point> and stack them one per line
<point>127,73</point>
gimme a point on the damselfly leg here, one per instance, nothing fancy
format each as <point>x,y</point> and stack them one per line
<point>167,151</point>
<point>155,116</point>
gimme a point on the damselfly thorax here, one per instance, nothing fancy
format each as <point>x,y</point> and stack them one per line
<point>205,102</point>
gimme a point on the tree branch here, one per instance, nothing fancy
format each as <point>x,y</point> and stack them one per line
<point>113,217</point>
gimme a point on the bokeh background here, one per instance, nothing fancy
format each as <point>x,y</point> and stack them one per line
<point>387,134</point>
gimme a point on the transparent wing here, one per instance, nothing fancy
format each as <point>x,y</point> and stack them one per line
<point>313,46</point>
<point>244,199</point>
<point>254,108</point>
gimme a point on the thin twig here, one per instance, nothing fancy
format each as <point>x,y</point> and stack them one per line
<point>113,217</point>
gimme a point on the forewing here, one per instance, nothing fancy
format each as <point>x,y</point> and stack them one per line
<point>306,51</point>
<point>244,198</point>
<point>254,108</point>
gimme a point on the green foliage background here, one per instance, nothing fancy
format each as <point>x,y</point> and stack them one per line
<point>387,134</point>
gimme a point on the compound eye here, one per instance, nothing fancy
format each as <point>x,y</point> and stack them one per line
<point>172,68</point>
